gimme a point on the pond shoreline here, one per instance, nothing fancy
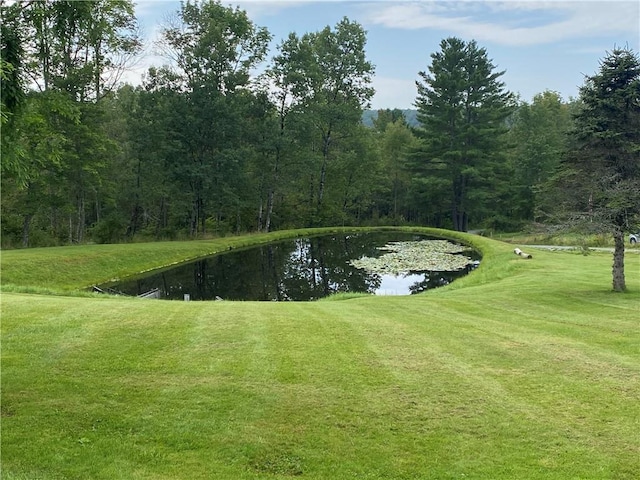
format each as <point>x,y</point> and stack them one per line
<point>300,269</point>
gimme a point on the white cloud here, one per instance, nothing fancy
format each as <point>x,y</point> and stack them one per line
<point>514,23</point>
<point>155,9</point>
<point>393,93</point>
<point>266,7</point>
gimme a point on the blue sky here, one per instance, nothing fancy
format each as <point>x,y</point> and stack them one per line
<point>542,45</point>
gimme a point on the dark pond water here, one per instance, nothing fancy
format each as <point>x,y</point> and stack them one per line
<point>300,269</point>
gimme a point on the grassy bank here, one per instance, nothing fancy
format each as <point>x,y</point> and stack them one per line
<point>71,269</point>
<point>579,240</point>
<point>523,369</point>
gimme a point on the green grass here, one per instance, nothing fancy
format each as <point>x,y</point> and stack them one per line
<point>567,239</point>
<point>525,369</point>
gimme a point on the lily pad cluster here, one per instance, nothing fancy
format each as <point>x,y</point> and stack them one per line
<point>419,256</point>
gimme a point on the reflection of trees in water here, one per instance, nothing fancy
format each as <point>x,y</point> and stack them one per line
<point>439,279</point>
<point>271,275</point>
<point>300,269</point>
<point>200,279</point>
<point>319,267</point>
<point>431,280</point>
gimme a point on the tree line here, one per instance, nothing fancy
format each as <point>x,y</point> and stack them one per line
<point>205,146</point>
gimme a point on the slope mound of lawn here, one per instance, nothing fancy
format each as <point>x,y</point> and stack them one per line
<point>72,268</point>
<point>523,369</point>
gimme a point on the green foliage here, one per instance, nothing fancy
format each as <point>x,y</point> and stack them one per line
<point>607,140</point>
<point>79,47</point>
<point>318,163</point>
<point>111,229</point>
<point>11,90</point>
<point>387,116</point>
<point>333,88</point>
<point>204,149</point>
<point>462,107</point>
<point>602,172</point>
<point>215,49</point>
<point>55,148</point>
<point>538,137</point>
<point>393,197</point>
<point>11,63</point>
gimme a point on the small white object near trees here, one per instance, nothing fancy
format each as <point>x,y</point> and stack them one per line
<point>519,252</point>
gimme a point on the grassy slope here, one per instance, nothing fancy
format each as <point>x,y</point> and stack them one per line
<point>523,369</point>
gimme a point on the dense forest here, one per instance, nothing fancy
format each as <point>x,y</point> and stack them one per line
<point>205,147</point>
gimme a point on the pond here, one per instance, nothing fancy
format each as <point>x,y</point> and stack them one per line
<point>300,269</point>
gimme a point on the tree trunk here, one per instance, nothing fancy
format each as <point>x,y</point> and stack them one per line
<point>396,182</point>
<point>163,217</point>
<point>260,209</point>
<point>272,190</point>
<point>81,219</point>
<point>619,284</point>
<point>323,174</point>
<point>203,216</point>
<point>347,188</point>
<point>312,216</point>
<point>53,222</point>
<point>270,199</point>
<point>134,220</point>
<point>458,213</point>
<point>26,226</point>
<point>326,141</point>
<point>136,212</point>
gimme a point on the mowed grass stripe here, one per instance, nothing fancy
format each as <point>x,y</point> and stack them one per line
<point>520,378</point>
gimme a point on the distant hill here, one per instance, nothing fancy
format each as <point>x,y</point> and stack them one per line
<point>368,116</point>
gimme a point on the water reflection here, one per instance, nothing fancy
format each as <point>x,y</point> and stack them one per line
<point>302,269</point>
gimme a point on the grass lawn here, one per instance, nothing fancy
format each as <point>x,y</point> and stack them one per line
<point>525,369</point>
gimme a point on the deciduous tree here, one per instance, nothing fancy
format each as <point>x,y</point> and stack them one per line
<point>396,140</point>
<point>538,135</point>
<point>330,80</point>
<point>214,49</point>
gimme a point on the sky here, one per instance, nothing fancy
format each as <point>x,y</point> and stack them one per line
<point>541,45</point>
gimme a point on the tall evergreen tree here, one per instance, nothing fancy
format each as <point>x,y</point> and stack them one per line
<point>12,90</point>
<point>602,171</point>
<point>462,107</point>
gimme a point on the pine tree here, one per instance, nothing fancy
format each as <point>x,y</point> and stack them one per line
<point>462,107</point>
<point>602,172</point>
